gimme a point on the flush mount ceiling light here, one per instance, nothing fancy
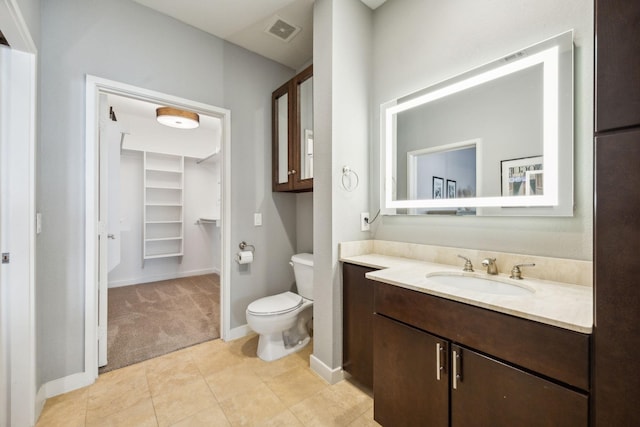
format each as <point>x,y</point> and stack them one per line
<point>176,118</point>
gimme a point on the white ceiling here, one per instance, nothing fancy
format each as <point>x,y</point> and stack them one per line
<point>137,119</point>
<point>243,22</point>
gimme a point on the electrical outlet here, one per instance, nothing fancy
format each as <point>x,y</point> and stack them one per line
<point>364,221</point>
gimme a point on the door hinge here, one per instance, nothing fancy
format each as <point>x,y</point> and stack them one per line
<point>6,257</point>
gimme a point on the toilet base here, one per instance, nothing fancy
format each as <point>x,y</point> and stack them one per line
<point>272,347</point>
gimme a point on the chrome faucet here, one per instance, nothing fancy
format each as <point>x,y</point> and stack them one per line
<point>467,265</point>
<point>515,271</point>
<point>490,263</point>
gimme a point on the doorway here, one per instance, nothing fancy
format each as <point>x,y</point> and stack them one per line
<point>151,264</point>
<point>160,195</point>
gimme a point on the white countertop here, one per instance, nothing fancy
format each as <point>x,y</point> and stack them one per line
<point>559,304</point>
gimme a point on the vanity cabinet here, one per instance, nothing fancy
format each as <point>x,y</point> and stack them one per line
<point>438,362</point>
<point>357,323</point>
<point>292,134</point>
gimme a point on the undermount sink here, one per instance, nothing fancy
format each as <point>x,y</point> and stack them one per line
<point>479,283</point>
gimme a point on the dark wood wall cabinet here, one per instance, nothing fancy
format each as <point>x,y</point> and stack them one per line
<point>292,134</point>
<point>438,362</point>
<point>616,336</point>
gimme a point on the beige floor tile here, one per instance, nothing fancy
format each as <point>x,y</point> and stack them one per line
<point>209,417</point>
<point>168,372</point>
<point>117,390</point>
<point>183,401</point>
<point>244,347</point>
<point>207,348</point>
<point>283,419</point>
<point>296,385</point>
<point>232,381</point>
<point>214,359</point>
<point>365,420</point>
<point>141,414</point>
<point>337,405</point>
<point>66,410</point>
<point>252,408</point>
<point>269,370</point>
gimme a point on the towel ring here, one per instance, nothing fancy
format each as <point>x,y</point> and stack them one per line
<point>347,179</point>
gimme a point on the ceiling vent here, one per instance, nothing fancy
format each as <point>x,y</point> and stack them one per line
<point>281,29</point>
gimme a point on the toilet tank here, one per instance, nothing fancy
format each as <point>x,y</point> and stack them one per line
<point>303,271</point>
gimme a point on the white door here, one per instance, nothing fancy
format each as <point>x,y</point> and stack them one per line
<point>4,374</point>
<point>17,228</point>
<point>108,216</point>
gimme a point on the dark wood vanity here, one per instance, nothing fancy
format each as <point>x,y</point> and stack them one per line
<point>440,362</point>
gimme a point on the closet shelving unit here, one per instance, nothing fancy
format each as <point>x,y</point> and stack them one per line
<point>163,210</point>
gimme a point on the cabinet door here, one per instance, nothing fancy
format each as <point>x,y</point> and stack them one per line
<point>282,108</point>
<point>302,143</point>
<point>357,323</point>
<point>617,287</point>
<point>486,392</point>
<point>411,386</point>
<point>617,64</point>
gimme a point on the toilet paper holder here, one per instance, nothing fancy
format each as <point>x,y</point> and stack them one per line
<point>244,245</point>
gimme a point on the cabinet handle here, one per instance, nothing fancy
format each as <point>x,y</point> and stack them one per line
<point>293,172</point>
<point>440,352</point>
<point>457,368</point>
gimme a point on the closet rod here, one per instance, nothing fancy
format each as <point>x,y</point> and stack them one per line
<point>208,157</point>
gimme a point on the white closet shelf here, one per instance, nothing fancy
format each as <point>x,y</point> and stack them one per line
<point>165,221</point>
<point>162,187</point>
<point>163,255</point>
<point>152,169</point>
<point>159,239</point>
<point>165,204</point>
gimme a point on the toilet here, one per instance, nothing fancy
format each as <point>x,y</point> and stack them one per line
<point>282,319</point>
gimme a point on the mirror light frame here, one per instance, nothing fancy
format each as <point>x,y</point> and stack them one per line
<point>549,59</point>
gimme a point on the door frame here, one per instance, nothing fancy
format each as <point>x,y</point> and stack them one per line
<point>17,236</point>
<point>94,87</point>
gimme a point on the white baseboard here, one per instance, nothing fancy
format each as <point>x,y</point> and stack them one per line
<point>330,375</point>
<point>60,386</point>
<point>41,398</point>
<point>159,277</point>
<point>67,384</point>
<point>239,332</point>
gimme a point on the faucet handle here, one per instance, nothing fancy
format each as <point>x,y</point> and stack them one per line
<point>515,271</point>
<point>467,265</point>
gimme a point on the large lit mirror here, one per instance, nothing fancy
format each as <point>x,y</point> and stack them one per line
<point>497,140</point>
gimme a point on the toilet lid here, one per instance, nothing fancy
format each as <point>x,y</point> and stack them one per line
<point>275,304</point>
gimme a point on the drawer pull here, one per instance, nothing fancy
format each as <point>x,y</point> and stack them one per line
<point>440,349</point>
<point>457,371</point>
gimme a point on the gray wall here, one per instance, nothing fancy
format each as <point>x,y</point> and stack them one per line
<point>420,42</point>
<point>123,41</point>
<point>342,77</point>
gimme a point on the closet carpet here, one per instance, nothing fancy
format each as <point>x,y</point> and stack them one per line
<point>152,319</point>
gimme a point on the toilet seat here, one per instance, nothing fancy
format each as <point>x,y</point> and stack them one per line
<point>275,304</point>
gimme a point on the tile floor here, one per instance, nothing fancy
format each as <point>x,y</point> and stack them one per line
<point>213,384</point>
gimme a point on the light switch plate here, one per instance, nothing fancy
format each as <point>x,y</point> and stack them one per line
<point>257,219</point>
